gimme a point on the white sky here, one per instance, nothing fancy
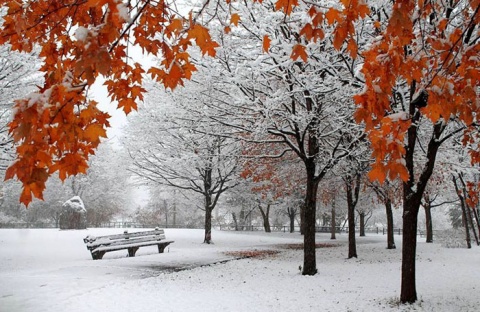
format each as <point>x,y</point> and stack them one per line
<point>99,93</point>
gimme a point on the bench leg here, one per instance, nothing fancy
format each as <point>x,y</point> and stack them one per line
<point>98,255</point>
<point>132,251</point>
<point>161,247</point>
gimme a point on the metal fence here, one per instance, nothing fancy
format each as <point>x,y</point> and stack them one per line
<point>28,225</point>
<point>52,225</point>
<point>318,229</point>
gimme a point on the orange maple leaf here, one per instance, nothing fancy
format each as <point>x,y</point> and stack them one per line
<point>333,15</point>
<point>234,19</point>
<point>286,5</point>
<point>266,43</point>
<point>299,50</point>
<point>202,38</point>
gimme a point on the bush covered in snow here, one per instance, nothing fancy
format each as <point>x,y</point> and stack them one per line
<point>73,215</point>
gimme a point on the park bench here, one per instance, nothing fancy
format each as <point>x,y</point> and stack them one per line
<point>100,245</point>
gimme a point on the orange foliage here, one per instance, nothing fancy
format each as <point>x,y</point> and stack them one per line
<point>473,190</point>
<point>444,66</point>
<point>266,43</point>
<point>275,177</point>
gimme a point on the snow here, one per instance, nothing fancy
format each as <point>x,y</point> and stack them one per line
<point>52,270</point>
<point>399,116</point>
<point>81,33</point>
<point>123,11</point>
<point>75,203</point>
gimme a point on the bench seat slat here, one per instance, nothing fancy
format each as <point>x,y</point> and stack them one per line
<point>125,246</point>
<point>123,235</point>
<point>97,243</point>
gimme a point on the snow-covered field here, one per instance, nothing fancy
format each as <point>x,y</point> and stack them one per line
<point>51,270</point>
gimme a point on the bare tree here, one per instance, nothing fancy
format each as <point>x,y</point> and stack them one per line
<point>180,151</point>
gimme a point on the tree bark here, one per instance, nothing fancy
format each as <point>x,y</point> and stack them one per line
<point>302,219</point>
<point>362,223</point>
<point>265,216</point>
<point>470,218</point>
<point>352,245</point>
<point>291,215</point>
<point>235,222</point>
<point>207,182</point>
<point>309,252</point>
<point>208,226</point>
<point>464,214</point>
<point>353,189</point>
<point>334,225</point>
<point>475,213</point>
<point>409,245</point>
<point>390,237</point>
<point>467,208</point>
<point>428,221</point>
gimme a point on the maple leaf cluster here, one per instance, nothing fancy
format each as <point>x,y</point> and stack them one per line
<point>422,49</point>
<point>270,174</point>
<point>58,127</point>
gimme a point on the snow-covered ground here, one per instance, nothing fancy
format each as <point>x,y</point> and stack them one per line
<point>51,270</point>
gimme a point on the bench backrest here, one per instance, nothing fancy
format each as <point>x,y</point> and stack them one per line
<point>117,239</point>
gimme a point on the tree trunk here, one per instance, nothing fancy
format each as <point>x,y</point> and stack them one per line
<point>208,226</point>
<point>470,219</point>
<point>468,208</point>
<point>207,184</point>
<point>166,212</point>
<point>428,221</point>
<point>302,219</point>
<point>243,219</point>
<point>324,219</point>
<point>309,252</point>
<point>475,213</point>
<point>334,225</point>
<point>412,198</point>
<point>265,216</point>
<point>353,188</point>
<point>362,223</point>
<point>235,222</point>
<point>291,215</point>
<point>390,237</point>
<point>464,214</point>
<point>352,245</point>
<point>174,212</point>
<point>411,207</point>
<point>467,229</point>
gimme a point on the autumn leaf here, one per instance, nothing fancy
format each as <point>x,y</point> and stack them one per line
<point>333,15</point>
<point>307,31</point>
<point>234,19</point>
<point>203,40</point>
<point>378,173</point>
<point>266,43</point>
<point>299,51</point>
<point>352,48</point>
<point>339,36</point>
<point>94,132</point>
<point>286,6</point>
<point>175,26</point>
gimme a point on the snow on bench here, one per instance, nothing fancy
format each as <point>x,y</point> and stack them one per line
<point>100,245</point>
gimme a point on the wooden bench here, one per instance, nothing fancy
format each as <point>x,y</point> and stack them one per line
<point>100,245</point>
